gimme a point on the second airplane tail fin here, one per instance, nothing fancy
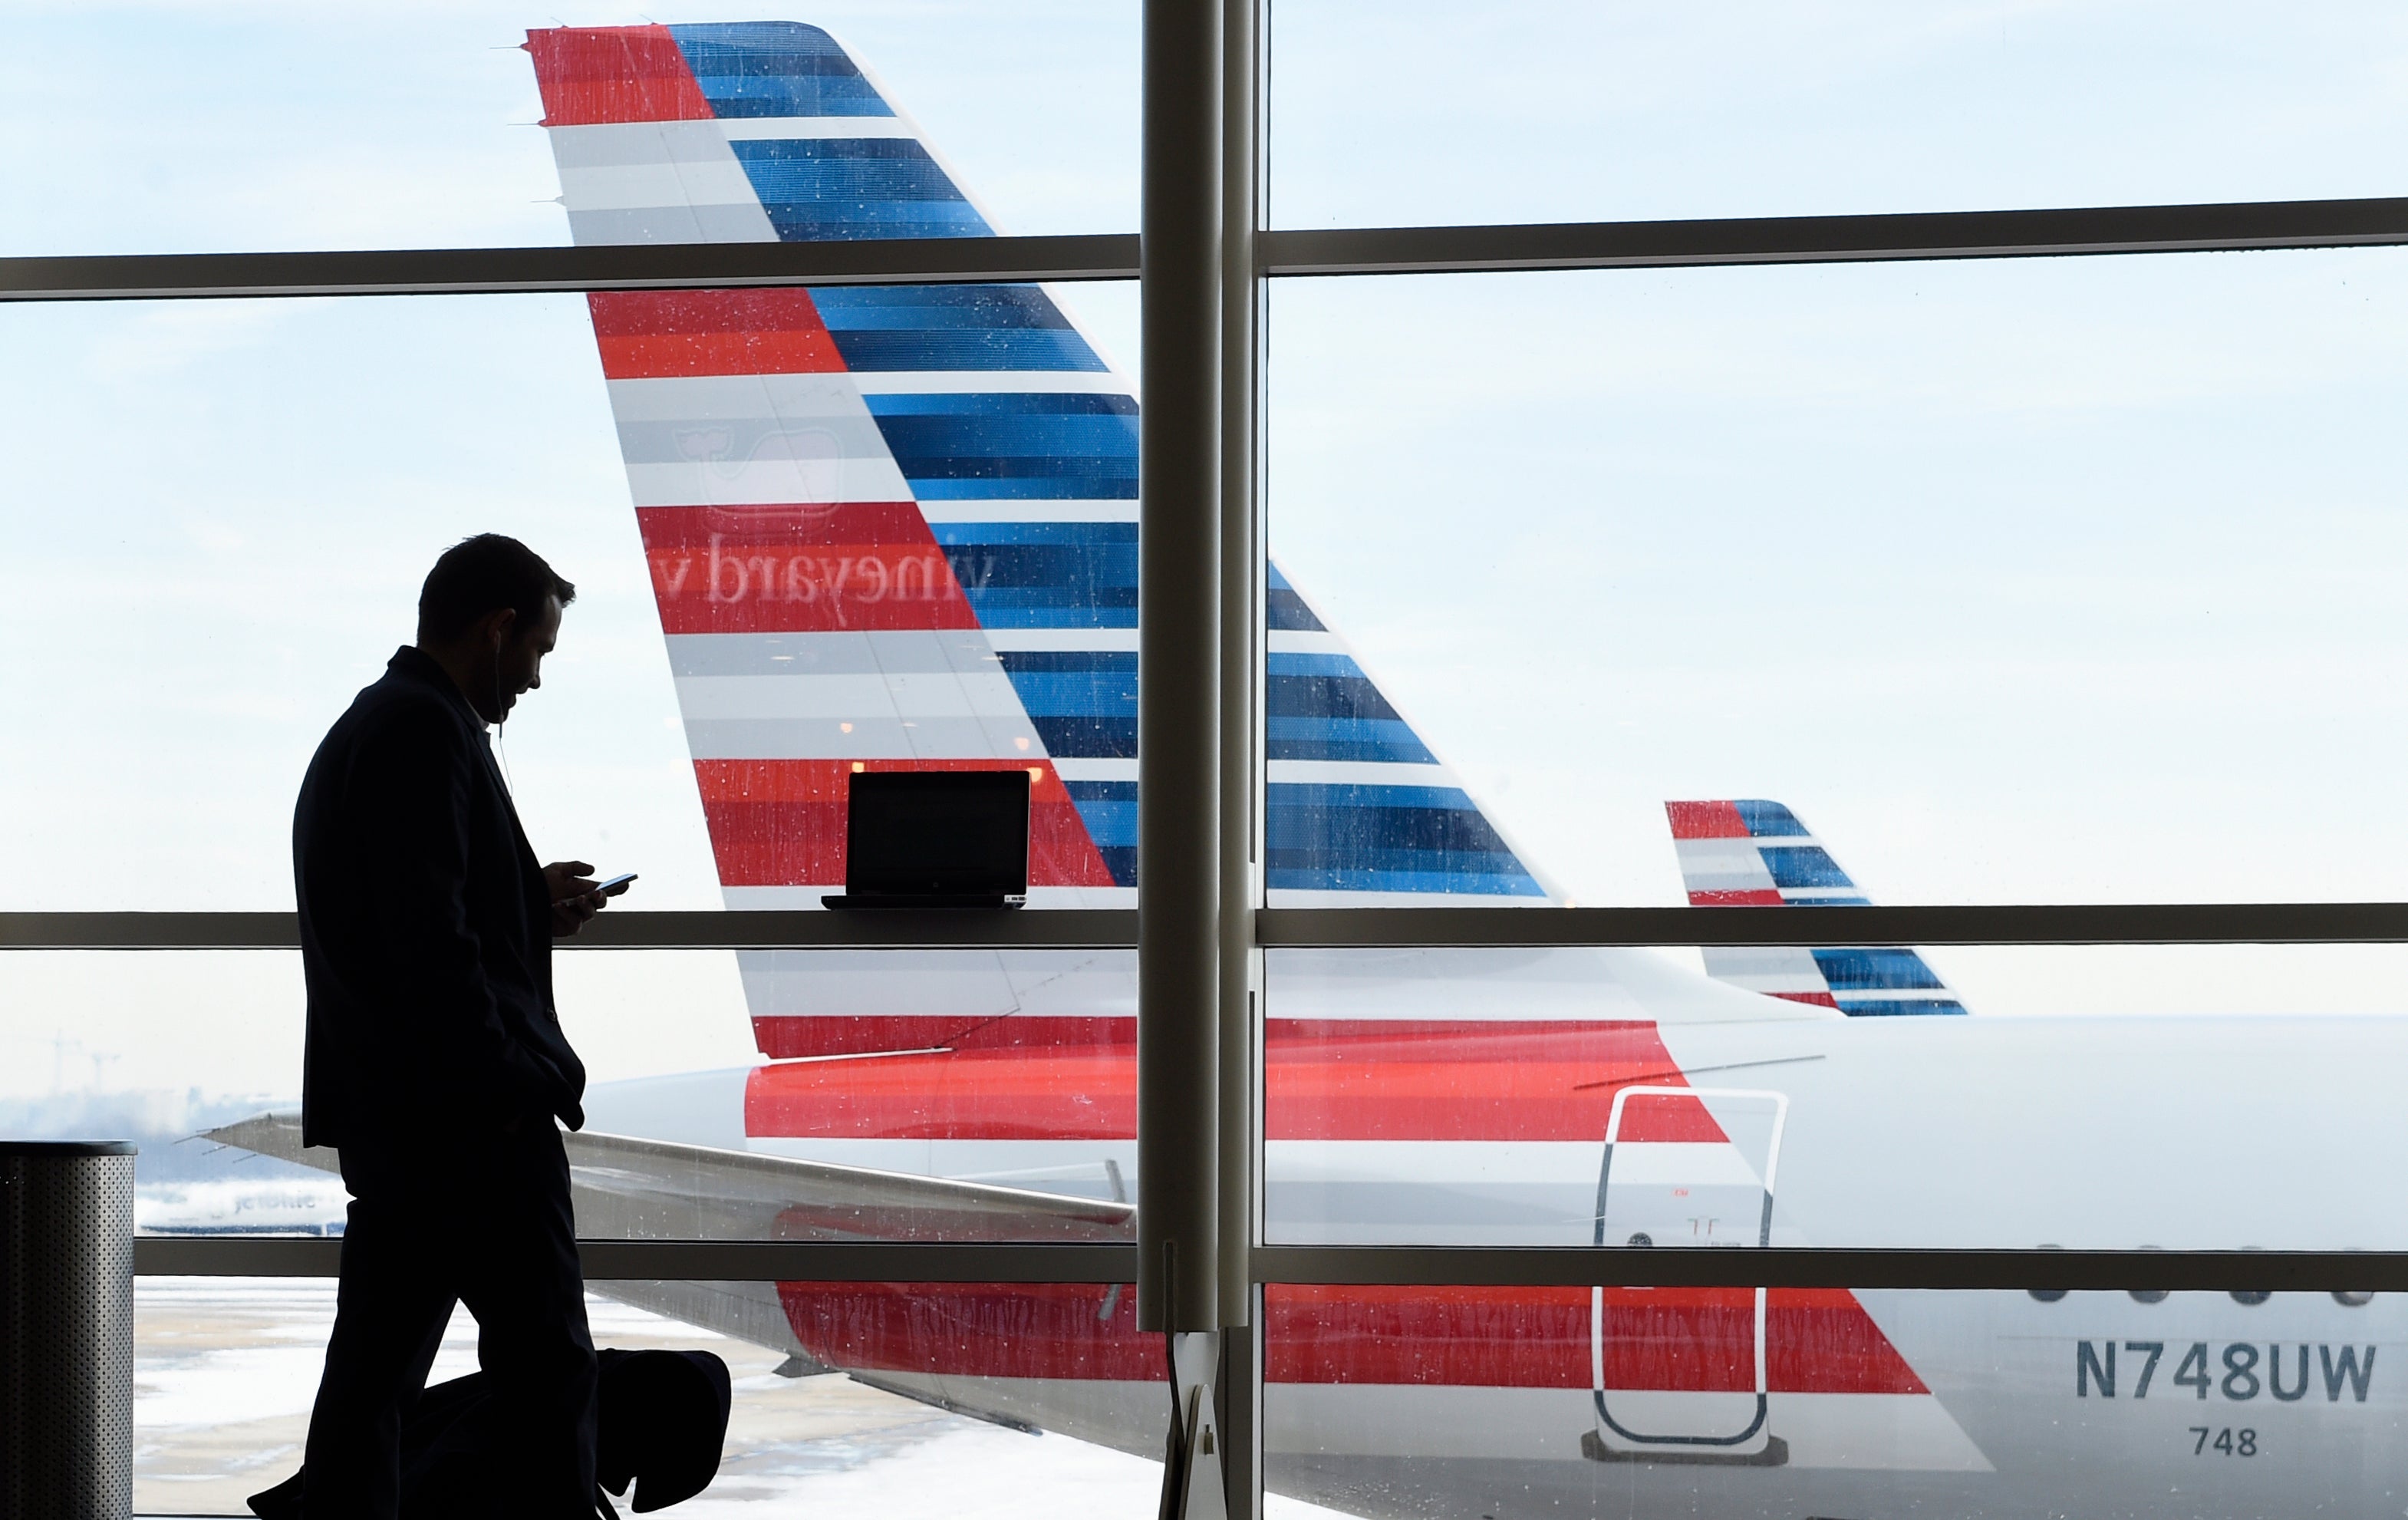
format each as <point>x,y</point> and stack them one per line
<point>1756,852</point>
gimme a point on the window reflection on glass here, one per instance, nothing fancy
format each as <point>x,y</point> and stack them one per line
<point>1525,1401</point>
<point>893,1397</point>
<point>2013,581</point>
<point>2083,1098</point>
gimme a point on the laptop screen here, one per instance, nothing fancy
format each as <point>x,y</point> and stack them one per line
<point>911,832</point>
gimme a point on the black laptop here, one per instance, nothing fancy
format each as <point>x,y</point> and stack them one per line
<point>935,838</point>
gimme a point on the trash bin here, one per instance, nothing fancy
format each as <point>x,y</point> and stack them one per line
<point>67,1330</point>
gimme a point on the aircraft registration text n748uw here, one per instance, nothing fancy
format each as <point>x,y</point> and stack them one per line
<point>896,528</point>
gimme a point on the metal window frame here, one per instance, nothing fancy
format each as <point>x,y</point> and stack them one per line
<point>1950,1269</point>
<point>1292,928</point>
<point>2232,226</point>
<point>1208,242</point>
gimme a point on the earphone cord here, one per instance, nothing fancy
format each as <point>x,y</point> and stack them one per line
<point>510,783</point>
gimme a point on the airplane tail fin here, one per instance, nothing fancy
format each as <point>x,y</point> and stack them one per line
<point>1756,852</point>
<point>895,527</point>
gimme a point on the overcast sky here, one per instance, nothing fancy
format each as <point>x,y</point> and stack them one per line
<point>2020,581</point>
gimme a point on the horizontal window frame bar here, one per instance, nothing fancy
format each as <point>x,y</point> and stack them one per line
<point>2232,226</point>
<point>1279,254</point>
<point>1075,928</point>
<point>1987,924</point>
<point>1831,1266</point>
<point>1397,1266</point>
<point>687,1261</point>
<point>524,271</point>
<point>1367,929</point>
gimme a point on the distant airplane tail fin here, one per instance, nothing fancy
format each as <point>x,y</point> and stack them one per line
<point>1752,853</point>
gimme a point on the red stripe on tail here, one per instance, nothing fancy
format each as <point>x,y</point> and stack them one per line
<point>1706,820</point>
<point>647,335</point>
<point>781,823</point>
<point>593,74</point>
<point>810,568</point>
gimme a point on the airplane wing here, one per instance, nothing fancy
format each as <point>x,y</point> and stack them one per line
<point>645,1189</point>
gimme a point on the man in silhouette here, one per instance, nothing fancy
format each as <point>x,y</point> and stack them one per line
<point>435,1060</point>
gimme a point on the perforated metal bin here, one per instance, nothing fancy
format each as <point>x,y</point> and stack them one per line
<point>67,1330</point>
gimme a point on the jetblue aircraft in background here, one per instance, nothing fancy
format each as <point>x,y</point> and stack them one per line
<point>895,527</point>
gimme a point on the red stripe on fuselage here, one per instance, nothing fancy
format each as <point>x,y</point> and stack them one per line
<point>1816,1341</point>
<point>786,1037</point>
<point>1744,897</point>
<point>1077,1094</point>
<point>593,74</point>
<point>1323,1080</point>
<point>781,823</point>
<point>1681,1339</point>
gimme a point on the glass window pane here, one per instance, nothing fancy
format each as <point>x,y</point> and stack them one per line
<point>175,130</point>
<point>858,560</point>
<point>947,1385</point>
<point>2095,1098</point>
<point>947,1095</point>
<point>927,1095</point>
<point>1543,110</point>
<point>1994,581</point>
<point>1527,1401</point>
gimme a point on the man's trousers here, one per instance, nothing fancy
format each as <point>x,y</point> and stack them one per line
<point>489,1226</point>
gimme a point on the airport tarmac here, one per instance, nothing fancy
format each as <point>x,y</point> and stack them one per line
<point>225,1368</point>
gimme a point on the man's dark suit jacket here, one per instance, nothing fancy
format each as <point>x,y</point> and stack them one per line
<point>425,930</point>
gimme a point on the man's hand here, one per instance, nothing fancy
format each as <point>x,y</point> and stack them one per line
<point>570,885</point>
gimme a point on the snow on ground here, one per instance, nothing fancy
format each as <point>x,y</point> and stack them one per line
<point>225,1369</point>
<point>310,1205</point>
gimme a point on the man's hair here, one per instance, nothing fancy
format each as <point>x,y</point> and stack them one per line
<point>485,574</point>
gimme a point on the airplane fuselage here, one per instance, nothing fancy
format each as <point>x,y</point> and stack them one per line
<point>1956,1132</point>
